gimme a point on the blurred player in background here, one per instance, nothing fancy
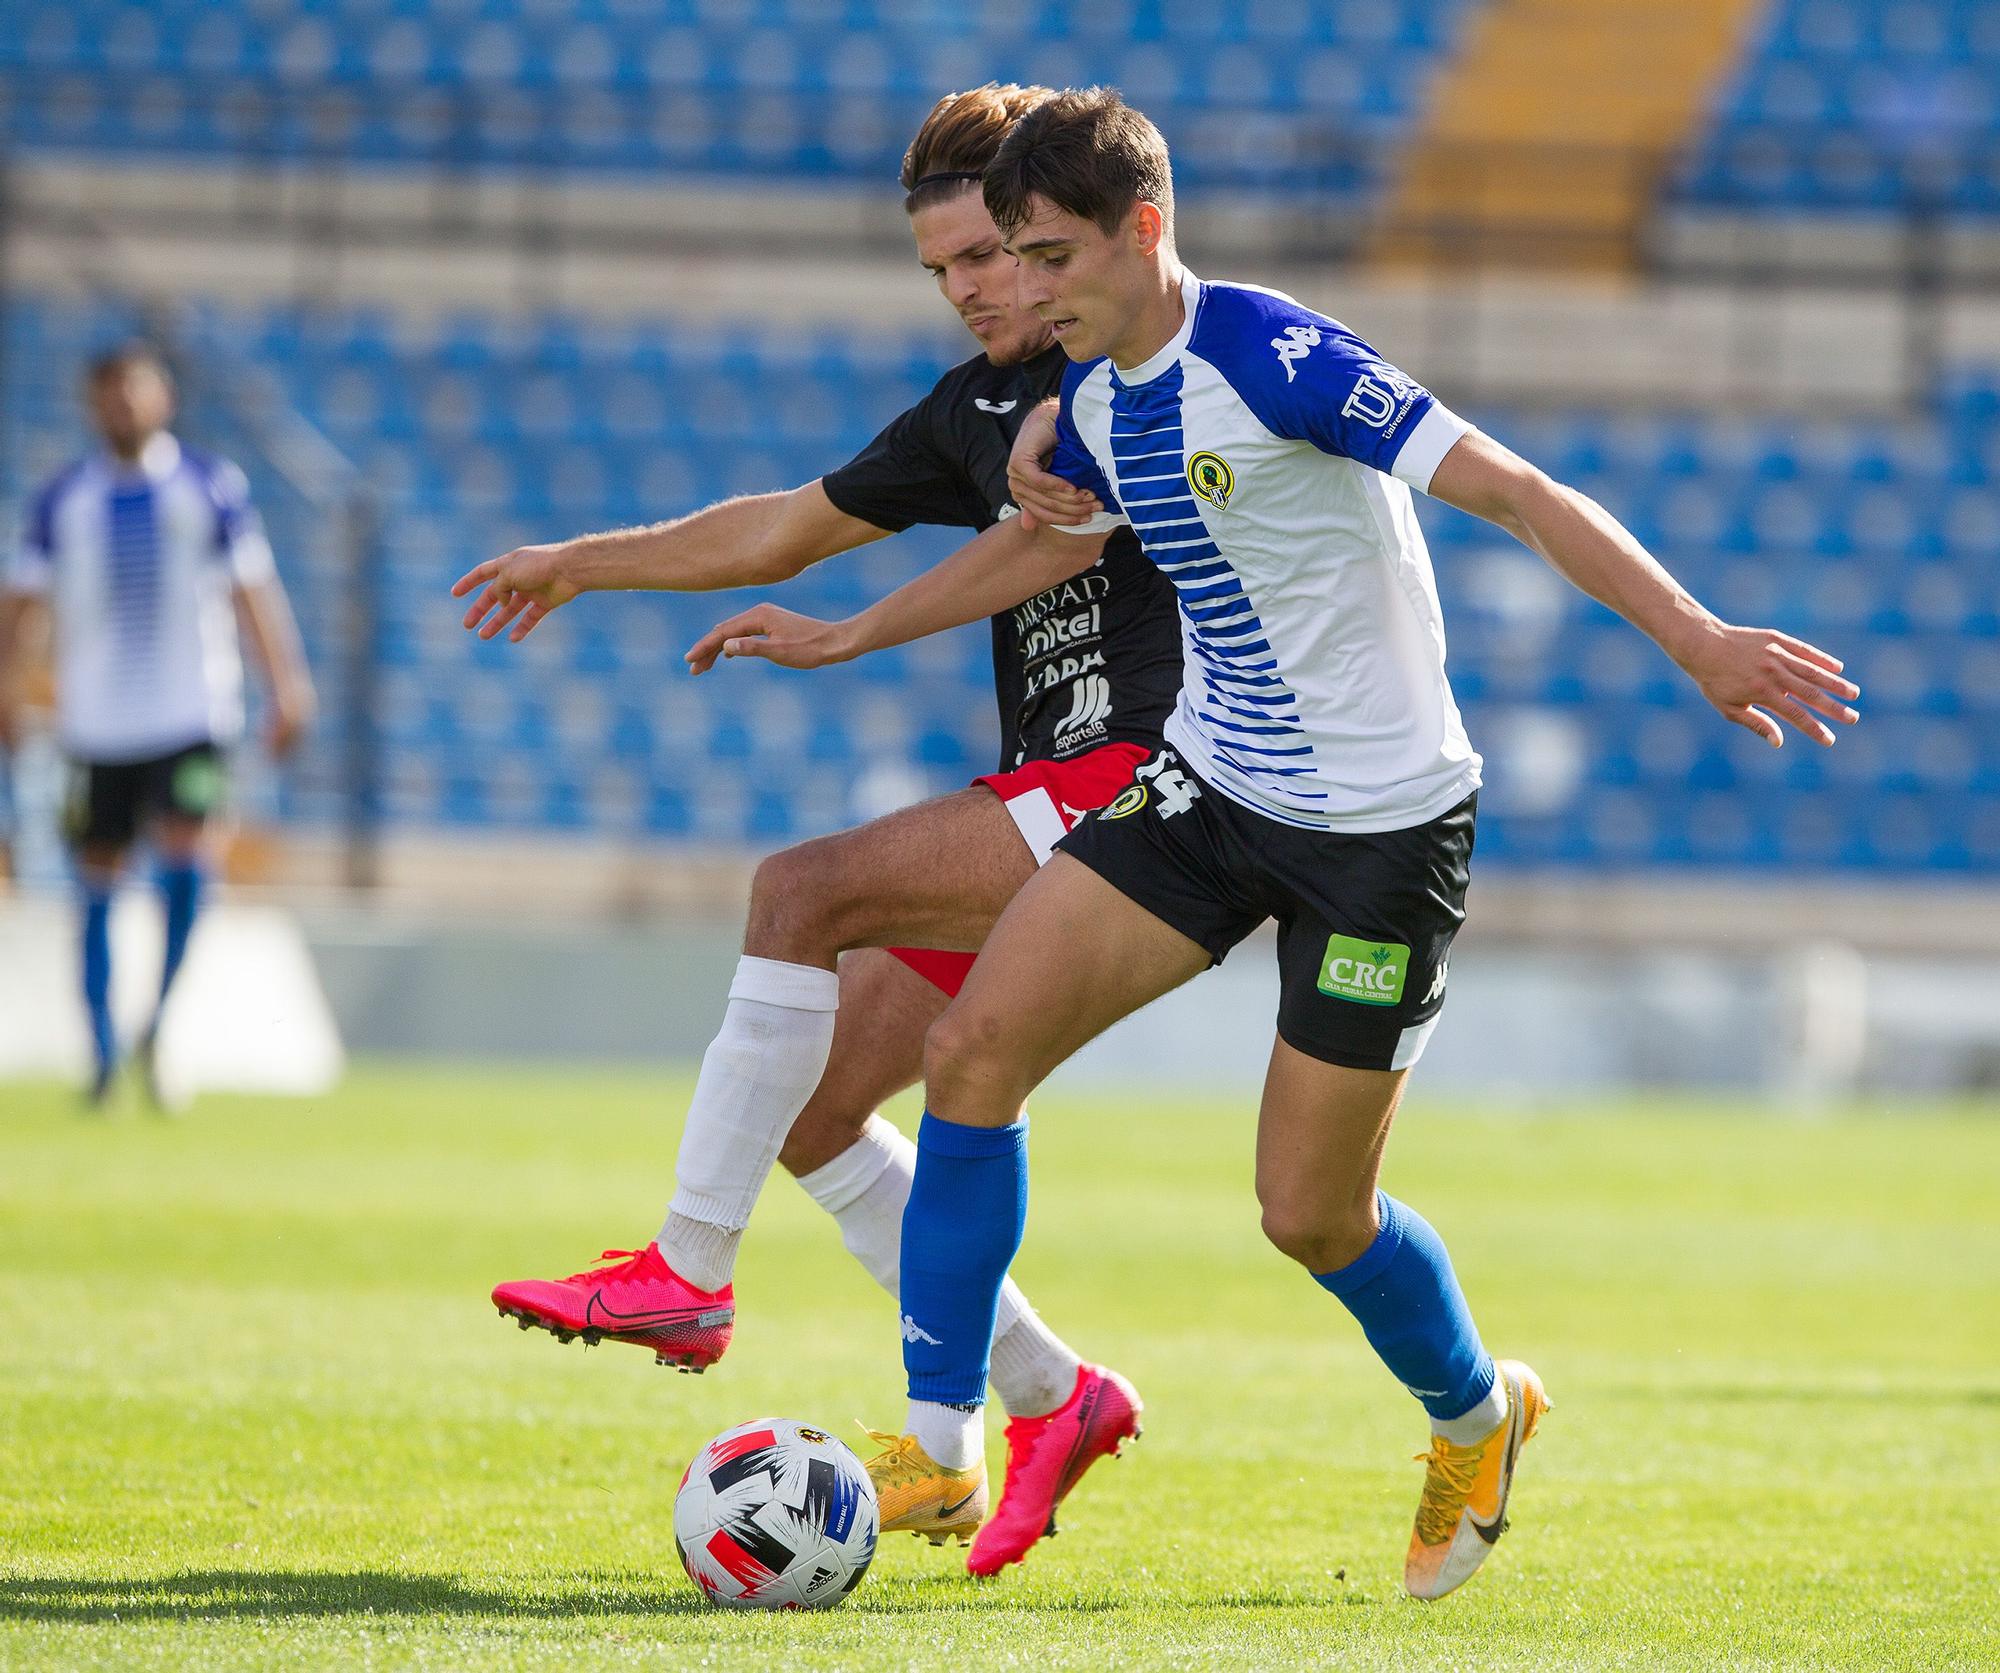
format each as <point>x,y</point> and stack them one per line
<point>1316,773</point>
<point>1086,674</point>
<point>141,556</point>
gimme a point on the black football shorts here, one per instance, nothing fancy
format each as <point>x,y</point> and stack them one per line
<point>111,800</point>
<point>1365,919</point>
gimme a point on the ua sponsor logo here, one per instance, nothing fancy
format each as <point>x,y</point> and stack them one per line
<point>914,1332</point>
<point>1379,404</point>
<point>1090,706</point>
<point>1297,342</point>
<point>994,407</point>
<point>1366,972</point>
<point>1437,983</point>
<point>1209,476</point>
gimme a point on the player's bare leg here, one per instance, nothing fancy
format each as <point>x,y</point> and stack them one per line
<point>878,1051</point>
<point>1320,1139</point>
<point>935,873</point>
<point>1022,1011</point>
<point>1066,1413</point>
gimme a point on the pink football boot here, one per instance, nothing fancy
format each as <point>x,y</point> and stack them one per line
<point>1046,1457</point>
<point>638,1299</point>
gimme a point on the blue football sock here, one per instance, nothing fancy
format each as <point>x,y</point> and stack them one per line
<point>968,1205</point>
<point>181,885</point>
<point>97,971</point>
<point>1406,1296</point>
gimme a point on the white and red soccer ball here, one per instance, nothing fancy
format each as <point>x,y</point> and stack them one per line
<point>775,1515</point>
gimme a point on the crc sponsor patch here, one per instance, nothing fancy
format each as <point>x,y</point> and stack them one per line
<point>1366,972</point>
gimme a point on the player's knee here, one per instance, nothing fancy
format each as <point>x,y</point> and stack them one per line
<point>961,1049</point>
<point>1320,1236</point>
<point>789,900</point>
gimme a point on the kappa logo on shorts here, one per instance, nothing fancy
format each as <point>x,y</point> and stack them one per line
<point>197,785</point>
<point>1367,972</point>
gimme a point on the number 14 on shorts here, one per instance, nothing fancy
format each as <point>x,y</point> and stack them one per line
<point>1173,791</point>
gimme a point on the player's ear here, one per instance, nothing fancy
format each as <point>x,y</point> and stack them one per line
<point>1149,227</point>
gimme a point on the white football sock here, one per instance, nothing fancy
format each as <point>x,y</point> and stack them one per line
<point>865,1189</point>
<point>1476,1424</point>
<point>756,1076</point>
<point>1034,1369</point>
<point>954,1436</point>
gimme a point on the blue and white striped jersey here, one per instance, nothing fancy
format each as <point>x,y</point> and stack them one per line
<point>1264,457</point>
<point>139,563</point>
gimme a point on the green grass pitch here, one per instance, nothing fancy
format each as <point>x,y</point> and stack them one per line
<point>255,1409</point>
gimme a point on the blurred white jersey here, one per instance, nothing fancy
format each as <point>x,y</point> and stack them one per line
<point>139,563</point>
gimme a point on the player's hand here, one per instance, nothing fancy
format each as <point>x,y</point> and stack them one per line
<point>1044,498</point>
<point>291,719</point>
<point>10,722</point>
<point>521,588</point>
<point>781,636</point>
<point>1754,673</point>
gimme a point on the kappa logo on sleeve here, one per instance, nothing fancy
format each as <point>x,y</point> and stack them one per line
<point>1297,342</point>
<point>1366,972</point>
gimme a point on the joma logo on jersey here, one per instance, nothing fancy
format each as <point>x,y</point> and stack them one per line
<point>1297,342</point>
<point>1367,972</point>
<point>1209,476</point>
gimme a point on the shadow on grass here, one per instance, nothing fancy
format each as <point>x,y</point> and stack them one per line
<point>230,1594</point>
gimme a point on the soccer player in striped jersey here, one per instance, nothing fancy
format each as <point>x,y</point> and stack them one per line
<point>1315,772</point>
<point>146,554</point>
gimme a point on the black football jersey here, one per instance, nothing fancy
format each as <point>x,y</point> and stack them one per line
<point>1092,661</point>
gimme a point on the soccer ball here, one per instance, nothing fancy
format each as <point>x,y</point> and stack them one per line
<point>775,1515</point>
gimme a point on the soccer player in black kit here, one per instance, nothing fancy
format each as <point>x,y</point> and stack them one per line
<point>811,1043</point>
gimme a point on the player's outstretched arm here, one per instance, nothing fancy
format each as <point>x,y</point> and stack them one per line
<point>273,632</point>
<point>751,542</point>
<point>1749,673</point>
<point>23,626</point>
<point>1005,566</point>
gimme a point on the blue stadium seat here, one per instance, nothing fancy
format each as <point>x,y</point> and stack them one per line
<point>1265,94</point>
<point>1858,105</point>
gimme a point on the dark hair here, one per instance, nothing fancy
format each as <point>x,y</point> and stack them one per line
<point>123,358</point>
<point>958,139</point>
<point>1086,151</point>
